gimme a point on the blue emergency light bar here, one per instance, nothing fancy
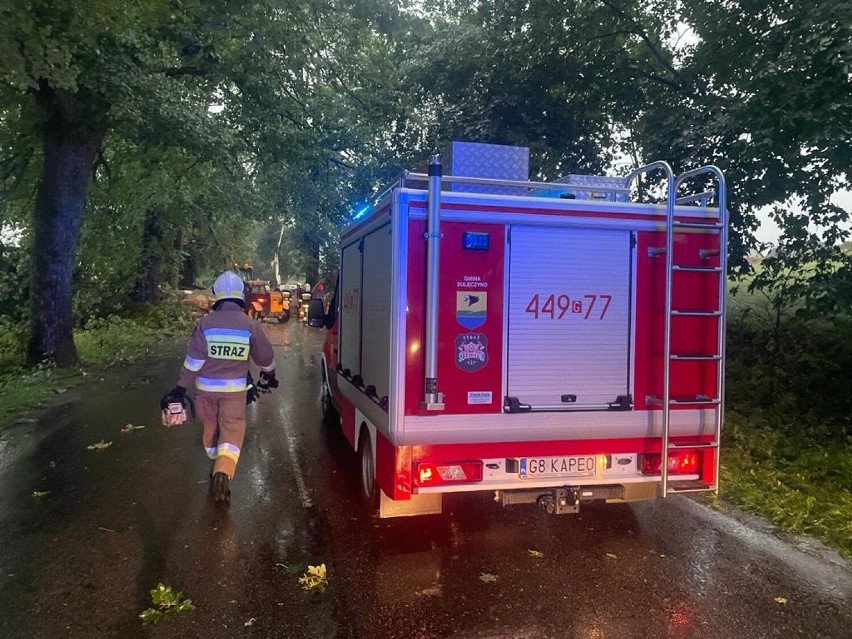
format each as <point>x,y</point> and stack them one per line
<point>361,212</point>
<point>476,241</point>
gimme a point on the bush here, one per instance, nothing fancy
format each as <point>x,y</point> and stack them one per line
<point>795,482</point>
<point>102,343</point>
<point>787,451</point>
<point>14,282</point>
<point>112,340</point>
<point>793,376</point>
<point>12,344</point>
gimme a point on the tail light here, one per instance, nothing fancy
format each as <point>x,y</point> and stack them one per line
<point>439,473</point>
<point>683,462</point>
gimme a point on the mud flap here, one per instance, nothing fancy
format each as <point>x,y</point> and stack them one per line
<point>422,504</point>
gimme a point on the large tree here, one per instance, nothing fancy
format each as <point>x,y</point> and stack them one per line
<point>78,71</point>
<point>764,90</point>
<point>223,80</point>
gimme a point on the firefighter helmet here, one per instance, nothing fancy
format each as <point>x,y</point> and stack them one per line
<point>229,286</point>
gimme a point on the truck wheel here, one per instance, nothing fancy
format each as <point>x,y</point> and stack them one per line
<point>284,317</point>
<point>329,412</point>
<point>369,490</point>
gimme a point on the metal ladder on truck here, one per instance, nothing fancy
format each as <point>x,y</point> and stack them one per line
<point>673,227</point>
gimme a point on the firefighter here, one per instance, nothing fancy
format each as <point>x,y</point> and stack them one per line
<point>217,360</point>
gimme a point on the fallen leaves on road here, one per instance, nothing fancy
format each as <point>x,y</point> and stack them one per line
<point>99,446</point>
<point>535,553</point>
<point>167,603</point>
<point>487,577</point>
<point>40,493</point>
<point>611,555</point>
<point>780,600</point>
<point>129,428</point>
<point>250,622</point>
<point>315,578</point>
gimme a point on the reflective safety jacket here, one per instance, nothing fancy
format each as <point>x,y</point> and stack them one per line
<point>217,357</point>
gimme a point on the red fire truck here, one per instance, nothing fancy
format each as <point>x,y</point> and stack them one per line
<point>550,342</point>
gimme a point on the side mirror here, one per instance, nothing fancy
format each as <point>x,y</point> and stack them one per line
<point>316,313</point>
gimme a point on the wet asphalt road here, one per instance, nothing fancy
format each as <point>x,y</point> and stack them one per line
<point>79,561</point>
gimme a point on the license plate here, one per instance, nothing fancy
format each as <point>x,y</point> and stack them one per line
<point>545,467</point>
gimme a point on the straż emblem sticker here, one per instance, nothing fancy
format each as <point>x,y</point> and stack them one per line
<point>470,308</point>
<point>471,351</point>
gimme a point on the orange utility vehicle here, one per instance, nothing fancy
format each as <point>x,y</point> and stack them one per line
<point>261,300</point>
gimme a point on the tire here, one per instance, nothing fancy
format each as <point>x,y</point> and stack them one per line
<point>369,490</point>
<point>329,413</point>
<point>284,317</point>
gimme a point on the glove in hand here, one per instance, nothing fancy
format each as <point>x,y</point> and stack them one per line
<point>268,380</point>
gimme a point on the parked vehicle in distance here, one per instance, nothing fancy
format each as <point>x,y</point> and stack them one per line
<point>263,302</point>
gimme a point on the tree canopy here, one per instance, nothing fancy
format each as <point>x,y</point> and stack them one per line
<point>154,142</point>
<point>220,113</point>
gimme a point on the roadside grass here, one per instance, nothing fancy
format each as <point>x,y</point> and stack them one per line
<point>101,344</point>
<point>799,485</point>
<point>787,446</point>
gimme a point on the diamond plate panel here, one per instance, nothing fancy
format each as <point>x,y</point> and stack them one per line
<point>498,161</point>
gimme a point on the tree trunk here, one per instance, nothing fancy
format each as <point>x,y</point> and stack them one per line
<point>188,272</point>
<point>70,144</point>
<point>312,262</point>
<point>149,262</point>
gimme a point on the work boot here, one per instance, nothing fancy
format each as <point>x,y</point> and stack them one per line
<point>221,489</point>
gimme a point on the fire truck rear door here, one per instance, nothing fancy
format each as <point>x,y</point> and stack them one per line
<point>569,316</point>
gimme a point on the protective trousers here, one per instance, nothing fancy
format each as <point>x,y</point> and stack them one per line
<point>224,418</point>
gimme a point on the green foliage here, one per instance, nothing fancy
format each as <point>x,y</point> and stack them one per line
<point>788,438</point>
<point>807,272</point>
<point>110,340</point>
<point>104,342</point>
<point>790,369</point>
<point>14,281</point>
<point>559,77</point>
<point>221,117</point>
<point>23,390</point>
<point>764,92</point>
<point>798,484</point>
<point>12,341</point>
<point>167,604</point>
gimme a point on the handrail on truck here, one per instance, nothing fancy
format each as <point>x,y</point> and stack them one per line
<point>721,197</point>
<point>666,402</point>
<point>408,176</point>
<point>666,407</point>
<point>432,399</point>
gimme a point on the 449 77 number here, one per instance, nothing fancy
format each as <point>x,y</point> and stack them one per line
<point>557,306</point>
